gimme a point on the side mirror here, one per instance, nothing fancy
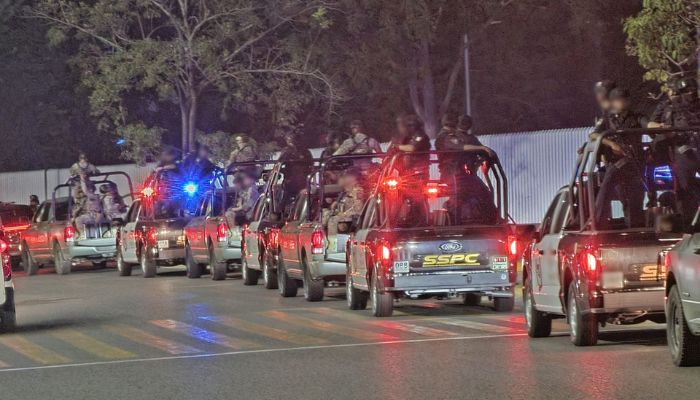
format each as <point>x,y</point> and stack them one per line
<point>117,222</point>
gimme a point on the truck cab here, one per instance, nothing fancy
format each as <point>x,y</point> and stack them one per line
<point>595,271</point>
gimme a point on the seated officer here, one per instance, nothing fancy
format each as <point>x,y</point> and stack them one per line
<point>247,196</point>
<point>349,203</point>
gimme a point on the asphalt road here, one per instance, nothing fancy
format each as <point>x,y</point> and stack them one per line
<point>94,335</point>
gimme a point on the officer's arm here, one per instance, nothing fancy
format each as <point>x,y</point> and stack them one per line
<point>344,148</point>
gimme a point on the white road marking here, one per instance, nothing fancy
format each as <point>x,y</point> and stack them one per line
<point>244,352</point>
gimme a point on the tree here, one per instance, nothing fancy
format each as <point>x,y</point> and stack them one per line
<point>183,51</point>
<point>664,37</point>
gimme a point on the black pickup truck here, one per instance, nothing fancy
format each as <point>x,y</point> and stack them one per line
<point>423,235</point>
<point>599,270</point>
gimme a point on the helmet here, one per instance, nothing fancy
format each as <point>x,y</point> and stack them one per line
<point>465,123</point>
<point>619,93</point>
<point>604,87</point>
<point>449,120</point>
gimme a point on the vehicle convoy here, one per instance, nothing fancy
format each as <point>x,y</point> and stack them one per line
<point>593,266</point>
<point>152,234</point>
<point>7,291</point>
<point>311,251</point>
<point>682,267</point>
<point>213,236</point>
<point>55,237</point>
<point>424,233</point>
<point>14,219</point>
<point>260,236</point>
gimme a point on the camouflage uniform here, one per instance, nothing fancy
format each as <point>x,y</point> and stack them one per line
<point>114,206</point>
<point>88,207</point>
<point>245,201</point>
<point>452,139</point>
<point>348,205</point>
<point>89,170</point>
<point>358,144</point>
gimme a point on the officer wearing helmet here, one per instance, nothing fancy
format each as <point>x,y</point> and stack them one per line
<point>455,136</point>
<point>602,91</point>
<point>291,150</point>
<point>358,142</point>
<point>622,157</point>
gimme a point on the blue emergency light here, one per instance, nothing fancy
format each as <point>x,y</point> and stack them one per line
<point>191,188</point>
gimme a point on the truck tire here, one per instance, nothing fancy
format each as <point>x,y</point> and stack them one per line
<point>472,299</point>
<point>313,289</point>
<point>684,346</point>
<point>583,328</point>
<point>288,287</point>
<point>269,272</point>
<point>16,263</point>
<point>382,303</point>
<point>504,304</point>
<point>30,266</point>
<point>538,323</point>
<point>124,268</point>
<point>250,276</point>
<point>194,270</point>
<point>356,298</point>
<point>217,268</point>
<point>148,265</point>
<point>8,321</point>
<point>63,266</point>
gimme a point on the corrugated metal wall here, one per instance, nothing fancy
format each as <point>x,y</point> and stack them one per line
<point>536,163</point>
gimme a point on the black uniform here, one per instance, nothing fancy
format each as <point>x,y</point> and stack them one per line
<point>622,178</point>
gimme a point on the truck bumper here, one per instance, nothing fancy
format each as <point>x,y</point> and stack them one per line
<point>496,284</point>
<point>76,253</point>
<point>228,253</point>
<point>642,302</point>
<point>170,254</point>
<point>321,268</point>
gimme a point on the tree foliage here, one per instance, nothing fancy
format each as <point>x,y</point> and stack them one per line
<point>664,37</point>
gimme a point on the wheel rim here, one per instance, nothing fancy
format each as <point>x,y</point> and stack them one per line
<point>143,260</point>
<point>280,278</point>
<point>374,296</point>
<point>528,309</point>
<point>676,327</point>
<point>120,262</point>
<point>244,270</point>
<point>266,273</point>
<point>573,322</point>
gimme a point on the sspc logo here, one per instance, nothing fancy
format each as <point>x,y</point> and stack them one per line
<point>451,247</point>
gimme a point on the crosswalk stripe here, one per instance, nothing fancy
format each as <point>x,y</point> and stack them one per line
<point>327,327</point>
<point>33,351</point>
<point>148,339</point>
<point>395,325</point>
<point>477,325</point>
<point>259,329</point>
<point>204,335</point>
<point>92,345</point>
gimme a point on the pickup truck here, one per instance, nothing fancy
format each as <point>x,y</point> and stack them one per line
<point>54,239</point>
<point>259,242</point>
<point>7,289</point>
<point>307,253</point>
<point>423,235</point>
<point>594,272</point>
<point>14,219</point>
<point>152,234</point>
<point>681,267</point>
<point>211,239</point>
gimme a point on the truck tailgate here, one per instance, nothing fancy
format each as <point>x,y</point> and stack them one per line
<point>631,267</point>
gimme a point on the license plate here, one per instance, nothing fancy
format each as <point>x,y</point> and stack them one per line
<point>499,263</point>
<point>163,244</point>
<point>401,267</point>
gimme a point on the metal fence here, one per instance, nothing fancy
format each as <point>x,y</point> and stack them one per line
<point>536,163</point>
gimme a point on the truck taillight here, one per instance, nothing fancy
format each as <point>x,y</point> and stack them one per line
<point>317,239</point>
<point>69,233</point>
<point>591,262</point>
<point>274,238</point>
<point>222,232</point>
<point>4,246</point>
<point>152,236</point>
<point>513,246</point>
<point>384,255</point>
<point>6,266</point>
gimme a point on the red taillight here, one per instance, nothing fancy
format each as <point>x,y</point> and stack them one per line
<point>222,232</point>
<point>317,239</point>
<point>432,189</point>
<point>16,228</point>
<point>4,246</point>
<point>384,254</point>
<point>513,247</point>
<point>152,236</point>
<point>391,183</point>
<point>148,192</point>
<point>274,238</point>
<point>69,233</point>
<point>591,262</point>
<point>6,267</point>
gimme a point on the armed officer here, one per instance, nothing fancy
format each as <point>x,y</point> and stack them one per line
<point>358,142</point>
<point>349,203</point>
<point>680,110</point>
<point>623,159</point>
